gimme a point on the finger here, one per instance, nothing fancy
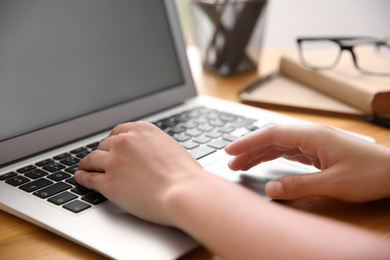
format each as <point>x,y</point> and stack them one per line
<point>128,127</point>
<point>251,158</point>
<point>299,186</point>
<point>272,135</point>
<point>302,136</point>
<point>240,160</point>
<point>90,180</point>
<point>302,158</point>
<point>119,129</point>
<point>95,161</point>
<point>297,158</point>
<point>106,144</point>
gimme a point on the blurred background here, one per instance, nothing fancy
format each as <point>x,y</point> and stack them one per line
<point>285,20</point>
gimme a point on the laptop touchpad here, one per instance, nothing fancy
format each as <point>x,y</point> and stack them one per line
<point>256,177</point>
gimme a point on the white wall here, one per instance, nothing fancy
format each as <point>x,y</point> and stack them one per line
<point>287,19</point>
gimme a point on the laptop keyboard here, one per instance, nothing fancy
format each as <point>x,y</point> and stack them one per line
<point>52,180</point>
<point>202,131</point>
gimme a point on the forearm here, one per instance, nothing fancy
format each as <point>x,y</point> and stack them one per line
<point>235,223</point>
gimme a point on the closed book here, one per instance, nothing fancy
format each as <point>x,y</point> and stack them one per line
<point>343,91</point>
<point>368,93</point>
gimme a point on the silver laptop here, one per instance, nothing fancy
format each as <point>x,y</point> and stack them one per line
<point>70,70</point>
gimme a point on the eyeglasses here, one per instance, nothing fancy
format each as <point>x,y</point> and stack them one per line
<point>370,55</point>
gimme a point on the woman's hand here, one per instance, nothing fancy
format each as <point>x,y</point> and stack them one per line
<point>135,167</point>
<point>352,169</point>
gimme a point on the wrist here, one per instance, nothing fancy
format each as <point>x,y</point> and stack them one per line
<point>181,192</point>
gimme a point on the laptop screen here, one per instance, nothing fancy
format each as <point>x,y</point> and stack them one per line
<point>62,59</point>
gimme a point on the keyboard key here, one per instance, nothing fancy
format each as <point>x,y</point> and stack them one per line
<point>94,198</point>
<point>226,129</point>
<point>183,117</point>
<point>52,190</point>
<point>213,135</point>
<point>61,156</point>
<point>26,169</point>
<point>70,161</point>
<point>72,169</point>
<point>228,117</point>
<point>169,122</point>
<point>205,127</point>
<point>219,144</point>
<point>53,167</point>
<point>44,162</point>
<point>230,138</point>
<point>76,206</point>
<point>93,146</point>
<point>181,137</point>
<point>190,145</point>
<point>201,120</point>
<point>195,113</point>
<point>202,140</point>
<point>177,129</point>
<point>201,151</point>
<point>35,174</point>
<point>62,198</point>
<point>72,181</point>
<point>252,128</point>
<point>81,190</point>
<point>35,185</point>
<point>189,124</point>
<point>18,180</point>
<point>193,132</point>
<point>242,122</point>
<point>213,115</point>
<point>82,154</point>
<point>216,122</point>
<point>79,150</point>
<point>7,175</point>
<point>58,176</point>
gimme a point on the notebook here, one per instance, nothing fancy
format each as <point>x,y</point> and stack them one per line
<point>70,70</point>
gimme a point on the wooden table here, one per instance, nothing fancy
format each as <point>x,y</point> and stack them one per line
<point>22,240</point>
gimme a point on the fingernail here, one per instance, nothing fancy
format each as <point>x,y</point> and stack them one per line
<point>230,162</point>
<point>77,173</point>
<point>230,165</point>
<point>274,189</point>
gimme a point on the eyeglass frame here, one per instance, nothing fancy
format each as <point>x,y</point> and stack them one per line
<point>348,47</point>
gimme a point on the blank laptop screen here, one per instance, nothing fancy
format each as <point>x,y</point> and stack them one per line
<point>61,59</point>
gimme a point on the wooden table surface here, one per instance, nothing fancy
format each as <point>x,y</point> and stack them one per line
<point>22,240</point>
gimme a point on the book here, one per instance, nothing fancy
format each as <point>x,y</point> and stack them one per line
<point>343,91</point>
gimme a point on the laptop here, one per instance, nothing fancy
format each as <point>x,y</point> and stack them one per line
<point>70,70</point>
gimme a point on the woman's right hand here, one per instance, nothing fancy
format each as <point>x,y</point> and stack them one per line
<point>352,169</point>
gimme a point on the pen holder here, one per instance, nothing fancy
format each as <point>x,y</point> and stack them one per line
<point>228,34</point>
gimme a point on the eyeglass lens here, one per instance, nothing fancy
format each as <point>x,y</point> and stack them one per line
<point>320,54</point>
<point>371,57</point>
